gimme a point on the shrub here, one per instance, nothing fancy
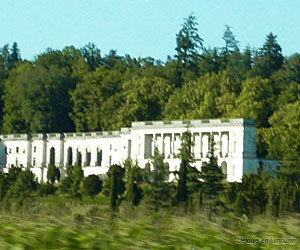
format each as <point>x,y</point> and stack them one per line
<point>92,185</point>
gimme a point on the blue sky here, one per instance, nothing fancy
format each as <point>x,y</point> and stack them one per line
<point>143,28</point>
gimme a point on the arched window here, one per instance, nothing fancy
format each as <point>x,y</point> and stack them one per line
<point>70,157</point>
<point>99,157</point>
<point>79,158</point>
<point>224,168</point>
<point>52,156</point>
<point>88,158</point>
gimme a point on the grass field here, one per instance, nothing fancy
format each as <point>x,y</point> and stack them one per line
<point>60,223</point>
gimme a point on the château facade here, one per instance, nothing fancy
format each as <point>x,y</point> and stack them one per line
<point>235,147</point>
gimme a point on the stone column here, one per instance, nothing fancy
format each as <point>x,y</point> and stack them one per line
<point>172,146</point>
<point>83,158</point>
<point>29,152</point>
<point>61,152</point>
<point>44,159</point>
<point>162,143</point>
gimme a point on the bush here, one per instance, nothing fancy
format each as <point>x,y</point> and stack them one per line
<point>24,185</point>
<point>45,189</point>
<point>53,174</point>
<point>92,185</point>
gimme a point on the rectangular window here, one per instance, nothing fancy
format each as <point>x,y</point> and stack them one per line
<point>34,162</point>
<point>17,149</point>
<point>9,150</point>
<point>34,149</point>
<point>17,162</point>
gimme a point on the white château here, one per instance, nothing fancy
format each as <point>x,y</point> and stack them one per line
<point>234,147</point>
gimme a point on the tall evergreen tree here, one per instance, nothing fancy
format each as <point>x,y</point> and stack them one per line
<point>189,45</point>
<point>231,44</point>
<point>157,190</point>
<point>212,177</point>
<point>269,58</point>
<point>133,177</point>
<point>188,175</point>
<point>116,184</point>
<point>15,55</point>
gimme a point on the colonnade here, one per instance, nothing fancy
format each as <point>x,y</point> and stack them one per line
<point>170,143</point>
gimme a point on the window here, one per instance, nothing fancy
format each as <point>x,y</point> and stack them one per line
<point>52,156</point>
<point>99,158</point>
<point>9,150</point>
<point>34,149</point>
<point>79,158</point>
<point>70,157</point>
<point>17,162</point>
<point>34,162</point>
<point>88,158</point>
<point>17,149</point>
<point>224,168</point>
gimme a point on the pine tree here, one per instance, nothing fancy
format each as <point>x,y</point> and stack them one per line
<point>212,177</point>
<point>133,193</point>
<point>231,44</point>
<point>189,45</point>
<point>156,175</point>
<point>116,185</point>
<point>189,176</point>
<point>269,59</point>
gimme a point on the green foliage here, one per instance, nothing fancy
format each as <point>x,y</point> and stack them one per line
<point>212,177</point>
<point>71,184</point>
<point>212,181</point>
<point>116,184</point>
<point>3,185</point>
<point>53,174</point>
<point>231,44</point>
<point>188,175</point>
<point>133,179</point>
<point>92,227</point>
<point>189,45</point>
<point>45,85</point>
<point>269,58</point>
<point>23,186</point>
<point>45,189</point>
<point>157,189</point>
<point>285,141</point>
<point>144,99</point>
<point>92,185</point>
<point>255,101</point>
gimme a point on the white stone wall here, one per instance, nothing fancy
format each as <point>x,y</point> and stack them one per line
<point>234,139</point>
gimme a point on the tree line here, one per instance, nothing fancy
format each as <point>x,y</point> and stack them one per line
<point>157,187</point>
